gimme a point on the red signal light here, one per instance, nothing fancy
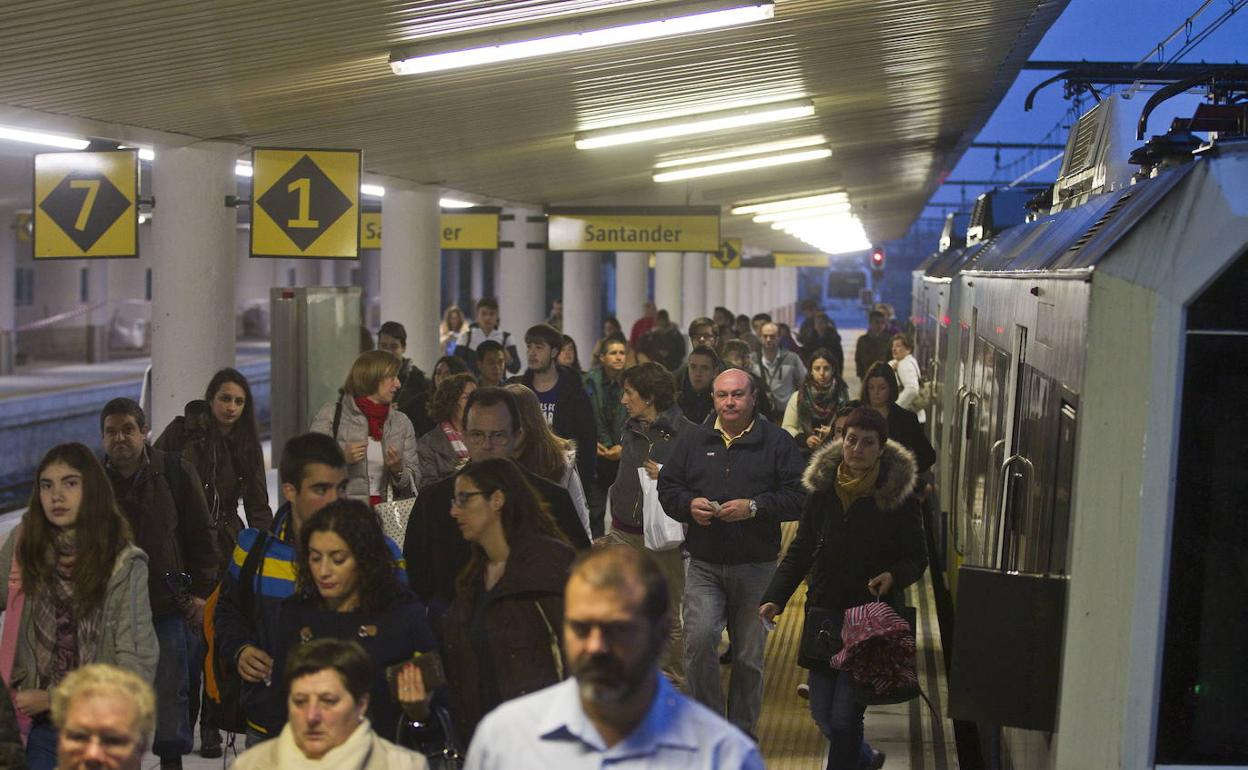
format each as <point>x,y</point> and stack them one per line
<point>877,258</point>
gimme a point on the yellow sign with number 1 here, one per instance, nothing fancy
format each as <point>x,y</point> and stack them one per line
<point>305,203</point>
<point>86,204</point>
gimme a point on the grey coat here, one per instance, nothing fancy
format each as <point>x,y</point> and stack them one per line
<point>642,442</point>
<point>127,638</point>
<point>436,456</point>
<point>353,428</point>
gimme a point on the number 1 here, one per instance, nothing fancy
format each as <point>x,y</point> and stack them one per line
<point>92,186</point>
<point>304,186</point>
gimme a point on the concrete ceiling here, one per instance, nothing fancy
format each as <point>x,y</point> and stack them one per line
<point>900,88</point>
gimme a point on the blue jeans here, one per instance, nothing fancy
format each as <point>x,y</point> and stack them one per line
<point>835,708</point>
<point>41,745</point>
<point>719,595</point>
<point>173,717</point>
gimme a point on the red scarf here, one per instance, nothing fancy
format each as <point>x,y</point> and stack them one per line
<point>376,414</point>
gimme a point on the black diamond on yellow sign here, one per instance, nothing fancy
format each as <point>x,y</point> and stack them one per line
<point>304,202</point>
<point>84,205</point>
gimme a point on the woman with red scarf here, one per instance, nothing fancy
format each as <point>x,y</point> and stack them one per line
<point>377,440</point>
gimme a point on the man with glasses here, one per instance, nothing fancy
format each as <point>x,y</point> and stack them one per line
<point>161,497</point>
<point>105,718</point>
<point>434,549</point>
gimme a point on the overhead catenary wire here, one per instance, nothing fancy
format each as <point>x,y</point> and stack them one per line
<point>1185,28</point>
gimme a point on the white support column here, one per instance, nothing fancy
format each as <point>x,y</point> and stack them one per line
<point>8,290</point>
<point>411,267</point>
<point>582,306</point>
<point>631,270</point>
<point>693,288</point>
<point>668,266</point>
<point>192,274</point>
<point>478,275</point>
<point>522,259</point>
<point>732,291</point>
<point>98,320</point>
<point>328,273</point>
<point>714,287</point>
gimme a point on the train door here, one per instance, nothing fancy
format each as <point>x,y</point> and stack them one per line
<point>1016,475</point>
<point>987,440</point>
<point>963,408</point>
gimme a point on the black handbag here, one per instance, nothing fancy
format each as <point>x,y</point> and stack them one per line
<point>821,637</point>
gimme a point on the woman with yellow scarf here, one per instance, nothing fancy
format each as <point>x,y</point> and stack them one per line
<point>860,538</point>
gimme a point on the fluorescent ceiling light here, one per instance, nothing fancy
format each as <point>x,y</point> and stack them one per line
<point>375,190</point>
<point>705,123</point>
<point>788,204</point>
<point>454,203</point>
<point>740,152</point>
<point>593,31</point>
<point>747,164</point>
<point>242,168</point>
<point>832,235</point>
<point>147,153</point>
<point>39,137</point>
<point>800,214</point>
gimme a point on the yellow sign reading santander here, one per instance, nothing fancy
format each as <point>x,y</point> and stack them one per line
<point>86,204</point>
<point>305,203</point>
<point>800,259</point>
<point>691,228</point>
<point>469,230</point>
<point>459,230</point>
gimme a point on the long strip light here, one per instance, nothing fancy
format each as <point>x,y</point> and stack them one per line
<point>43,138</point>
<point>741,152</point>
<point>788,204</point>
<point>705,123</point>
<point>796,215</point>
<point>594,31</point>
<point>747,164</point>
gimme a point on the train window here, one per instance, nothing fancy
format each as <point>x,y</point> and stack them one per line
<point>1204,687</point>
<point>1063,489</point>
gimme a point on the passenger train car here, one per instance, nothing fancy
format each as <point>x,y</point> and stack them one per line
<point>1090,367</point>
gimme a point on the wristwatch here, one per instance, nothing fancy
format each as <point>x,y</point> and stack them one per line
<point>753,509</point>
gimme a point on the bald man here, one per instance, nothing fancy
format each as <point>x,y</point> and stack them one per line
<point>733,483</point>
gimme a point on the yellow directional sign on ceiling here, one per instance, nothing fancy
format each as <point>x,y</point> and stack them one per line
<point>305,203</point>
<point>729,255</point>
<point>86,204</point>
<point>639,228</point>
<point>800,259</point>
<point>467,229</point>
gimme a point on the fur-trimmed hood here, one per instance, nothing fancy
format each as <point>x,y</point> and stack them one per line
<point>898,473</point>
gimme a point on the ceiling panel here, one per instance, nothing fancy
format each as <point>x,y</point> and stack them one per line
<point>900,88</point>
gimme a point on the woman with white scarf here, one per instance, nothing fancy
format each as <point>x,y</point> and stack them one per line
<point>328,682</point>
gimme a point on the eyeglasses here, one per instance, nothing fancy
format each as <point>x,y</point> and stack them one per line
<point>705,336</point>
<point>461,499</point>
<point>493,437</point>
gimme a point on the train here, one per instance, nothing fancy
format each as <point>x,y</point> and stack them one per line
<point>1088,362</point>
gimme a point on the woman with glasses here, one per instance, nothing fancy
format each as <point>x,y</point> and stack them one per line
<point>85,590</point>
<point>501,635</point>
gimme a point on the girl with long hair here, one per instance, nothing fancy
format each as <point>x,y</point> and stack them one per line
<point>442,450</point>
<point>880,389</point>
<point>811,409</point>
<point>84,594</point>
<point>500,637</point>
<point>448,331</point>
<point>546,453</point>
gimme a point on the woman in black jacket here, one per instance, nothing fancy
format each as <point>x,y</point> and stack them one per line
<point>860,537</point>
<point>879,391</point>
<point>347,587</point>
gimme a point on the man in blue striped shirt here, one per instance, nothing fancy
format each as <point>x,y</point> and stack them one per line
<point>617,710</point>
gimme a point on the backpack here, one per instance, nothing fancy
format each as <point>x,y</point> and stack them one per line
<point>222,684</point>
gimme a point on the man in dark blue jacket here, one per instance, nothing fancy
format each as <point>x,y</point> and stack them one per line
<point>732,483</point>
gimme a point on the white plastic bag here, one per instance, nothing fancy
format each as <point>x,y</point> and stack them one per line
<point>662,532</point>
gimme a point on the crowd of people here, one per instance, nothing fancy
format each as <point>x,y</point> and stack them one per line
<point>525,613</point>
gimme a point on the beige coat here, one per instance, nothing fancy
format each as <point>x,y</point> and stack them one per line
<point>127,638</point>
<point>353,428</point>
<point>377,754</point>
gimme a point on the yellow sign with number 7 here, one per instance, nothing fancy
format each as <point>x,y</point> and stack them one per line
<point>86,204</point>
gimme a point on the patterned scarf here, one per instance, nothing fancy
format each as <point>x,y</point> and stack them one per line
<point>457,441</point>
<point>376,414</point>
<point>817,405</point>
<point>65,636</point>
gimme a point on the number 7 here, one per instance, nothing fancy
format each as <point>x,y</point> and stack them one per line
<point>92,187</point>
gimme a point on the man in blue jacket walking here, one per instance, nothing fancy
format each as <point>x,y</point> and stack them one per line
<point>733,482</point>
